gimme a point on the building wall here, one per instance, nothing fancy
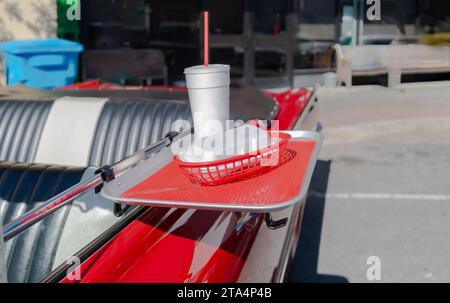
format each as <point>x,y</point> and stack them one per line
<point>27,19</point>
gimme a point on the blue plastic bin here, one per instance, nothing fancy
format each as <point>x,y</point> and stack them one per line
<point>44,64</point>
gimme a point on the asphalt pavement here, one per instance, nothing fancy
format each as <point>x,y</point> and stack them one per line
<point>379,204</point>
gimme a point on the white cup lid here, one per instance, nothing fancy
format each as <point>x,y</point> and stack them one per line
<point>212,68</point>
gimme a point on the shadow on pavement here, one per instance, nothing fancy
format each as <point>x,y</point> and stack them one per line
<point>304,266</point>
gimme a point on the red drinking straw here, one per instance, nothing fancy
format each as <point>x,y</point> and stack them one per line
<point>206,38</point>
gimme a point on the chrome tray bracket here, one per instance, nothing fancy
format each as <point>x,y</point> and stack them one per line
<point>274,224</point>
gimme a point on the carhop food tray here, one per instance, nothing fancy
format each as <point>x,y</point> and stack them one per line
<point>158,181</point>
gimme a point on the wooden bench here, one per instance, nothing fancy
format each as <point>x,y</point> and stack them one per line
<point>393,60</point>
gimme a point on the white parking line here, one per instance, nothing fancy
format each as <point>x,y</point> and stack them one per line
<point>379,196</point>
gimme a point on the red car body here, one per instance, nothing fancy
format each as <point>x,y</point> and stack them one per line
<point>183,245</point>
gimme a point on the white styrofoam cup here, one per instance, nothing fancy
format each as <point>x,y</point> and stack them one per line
<point>209,97</point>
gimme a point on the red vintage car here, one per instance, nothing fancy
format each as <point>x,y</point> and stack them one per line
<point>59,149</point>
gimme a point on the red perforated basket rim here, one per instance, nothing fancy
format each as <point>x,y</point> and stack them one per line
<point>211,173</point>
<point>284,139</point>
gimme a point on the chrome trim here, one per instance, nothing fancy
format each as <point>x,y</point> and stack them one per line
<point>309,112</point>
<point>291,239</point>
<point>23,222</point>
<point>61,271</point>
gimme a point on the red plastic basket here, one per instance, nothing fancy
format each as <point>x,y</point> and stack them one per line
<point>237,167</point>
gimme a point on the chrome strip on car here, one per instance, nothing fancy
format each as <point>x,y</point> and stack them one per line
<point>68,196</point>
